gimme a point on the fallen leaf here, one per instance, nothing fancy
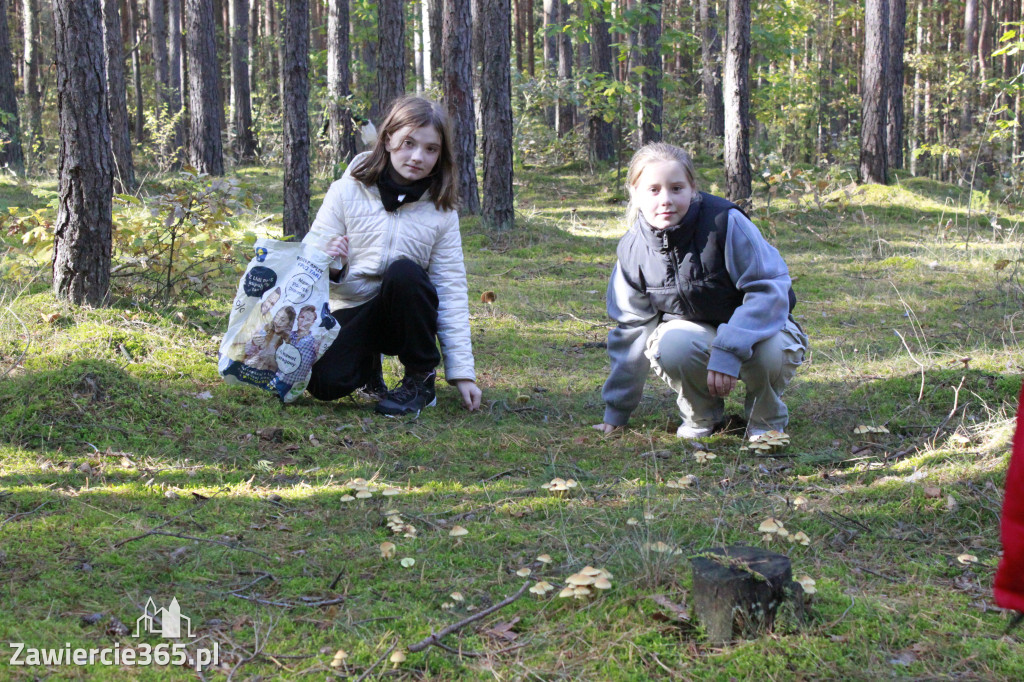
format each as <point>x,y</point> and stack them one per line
<point>932,492</point>
<point>678,611</point>
<point>488,297</point>
<point>51,318</point>
<point>951,503</point>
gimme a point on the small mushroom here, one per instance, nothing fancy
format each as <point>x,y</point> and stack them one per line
<point>523,572</point>
<point>398,657</point>
<point>802,538</point>
<point>807,582</point>
<point>347,498</point>
<point>457,596</point>
<point>578,580</point>
<point>603,583</point>
<point>542,587</point>
<point>407,562</point>
<point>632,521</point>
<point>458,532</point>
<point>391,492</point>
<point>363,494</point>
<point>387,549</point>
<point>339,659</point>
<point>567,592</point>
<point>544,558</point>
<point>769,525</point>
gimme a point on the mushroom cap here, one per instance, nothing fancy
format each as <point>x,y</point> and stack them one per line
<point>579,580</point>
<point>390,492</point>
<point>523,572</point>
<point>347,498</point>
<point>580,591</point>
<point>632,521</point>
<point>398,656</point>
<point>800,501</point>
<point>802,538</point>
<point>387,549</point>
<point>542,587</point>
<point>408,562</point>
<point>567,592</point>
<point>363,494</point>
<point>544,558</point>
<point>590,570</point>
<point>570,483</point>
<point>457,596</point>
<point>807,582</point>
<point>769,525</point>
<point>458,531</point>
<point>603,583</point>
<point>782,533</point>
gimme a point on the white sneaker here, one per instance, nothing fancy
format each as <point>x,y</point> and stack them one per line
<point>691,432</point>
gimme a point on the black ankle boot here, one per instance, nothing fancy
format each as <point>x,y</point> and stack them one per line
<point>414,393</point>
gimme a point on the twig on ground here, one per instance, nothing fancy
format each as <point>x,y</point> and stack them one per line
<point>174,518</point>
<point>503,473</point>
<point>366,673</point>
<point>434,638</point>
<point>22,514</point>
<point>289,605</point>
<point>229,545</point>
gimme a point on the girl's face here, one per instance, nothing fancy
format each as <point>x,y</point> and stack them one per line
<point>663,193</point>
<point>281,322</point>
<point>414,152</point>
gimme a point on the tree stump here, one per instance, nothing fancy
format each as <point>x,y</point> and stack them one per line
<point>737,591</point>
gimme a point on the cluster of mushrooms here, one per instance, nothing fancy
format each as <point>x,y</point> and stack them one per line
<point>363,490</point>
<point>769,441</point>
<point>773,527</point>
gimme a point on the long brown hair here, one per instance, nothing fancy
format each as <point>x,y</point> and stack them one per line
<point>655,151</point>
<point>416,112</point>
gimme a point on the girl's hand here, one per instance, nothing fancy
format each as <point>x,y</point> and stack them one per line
<point>471,394</point>
<point>606,429</point>
<point>720,385</point>
<point>337,246</point>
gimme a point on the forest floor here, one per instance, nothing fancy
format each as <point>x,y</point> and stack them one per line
<point>130,471</point>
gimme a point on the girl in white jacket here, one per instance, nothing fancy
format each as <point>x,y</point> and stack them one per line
<point>398,282</point>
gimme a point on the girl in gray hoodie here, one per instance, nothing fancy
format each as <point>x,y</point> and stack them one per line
<point>700,297</point>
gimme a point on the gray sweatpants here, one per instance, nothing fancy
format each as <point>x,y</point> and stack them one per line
<point>679,351</point>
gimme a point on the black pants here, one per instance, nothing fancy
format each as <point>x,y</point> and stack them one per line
<point>401,320</point>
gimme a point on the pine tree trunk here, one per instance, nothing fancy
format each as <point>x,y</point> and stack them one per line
<point>970,47</point>
<point>496,88</point>
<point>873,156</point>
<point>175,96</point>
<point>158,44</point>
<point>520,32</point>
<point>205,149</point>
<point>894,85</point>
<point>245,141</point>
<point>30,25</point>
<point>82,233</point>
<point>736,94</point>
<point>117,107</point>
<point>550,50</point>
<point>711,70</point>
<point>458,97</point>
<point>530,53</point>
<point>915,135</point>
<point>434,12</point>
<point>565,112</point>
<point>140,123</point>
<point>338,79</point>
<point>11,154</point>
<point>599,131</point>
<point>295,74</point>
<point>390,54</point>
<point>649,115</point>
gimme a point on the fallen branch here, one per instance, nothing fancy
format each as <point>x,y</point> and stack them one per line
<point>366,673</point>
<point>289,605</point>
<point>202,504</point>
<point>229,545</point>
<point>22,514</point>
<point>434,638</point>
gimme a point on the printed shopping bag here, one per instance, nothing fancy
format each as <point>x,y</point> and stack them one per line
<point>280,322</point>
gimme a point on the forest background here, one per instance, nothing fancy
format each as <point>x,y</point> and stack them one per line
<point>877,144</point>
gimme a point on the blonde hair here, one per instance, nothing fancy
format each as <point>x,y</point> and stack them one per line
<point>416,112</point>
<point>655,151</point>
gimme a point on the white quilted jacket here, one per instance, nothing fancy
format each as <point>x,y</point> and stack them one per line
<point>417,231</point>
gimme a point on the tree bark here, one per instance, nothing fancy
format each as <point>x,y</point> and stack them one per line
<point>82,233</point>
<point>915,134</point>
<point>30,25</point>
<point>434,12</point>
<point>245,140</point>
<point>458,98</point>
<point>496,89</point>
<point>970,47</point>
<point>117,107</point>
<point>390,55</point>
<point>11,154</point>
<point>649,38</point>
<point>158,44</point>
<point>175,97</point>
<point>600,135</point>
<point>550,55</point>
<point>565,112</point>
<point>531,55</point>
<point>894,84</point>
<point>873,155</point>
<point>338,79</point>
<point>711,70</point>
<point>736,93</point>
<point>140,125</point>
<point>295,72</point>
<point>205,150</point>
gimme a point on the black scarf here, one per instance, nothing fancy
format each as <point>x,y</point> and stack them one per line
<point>394,194</point>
